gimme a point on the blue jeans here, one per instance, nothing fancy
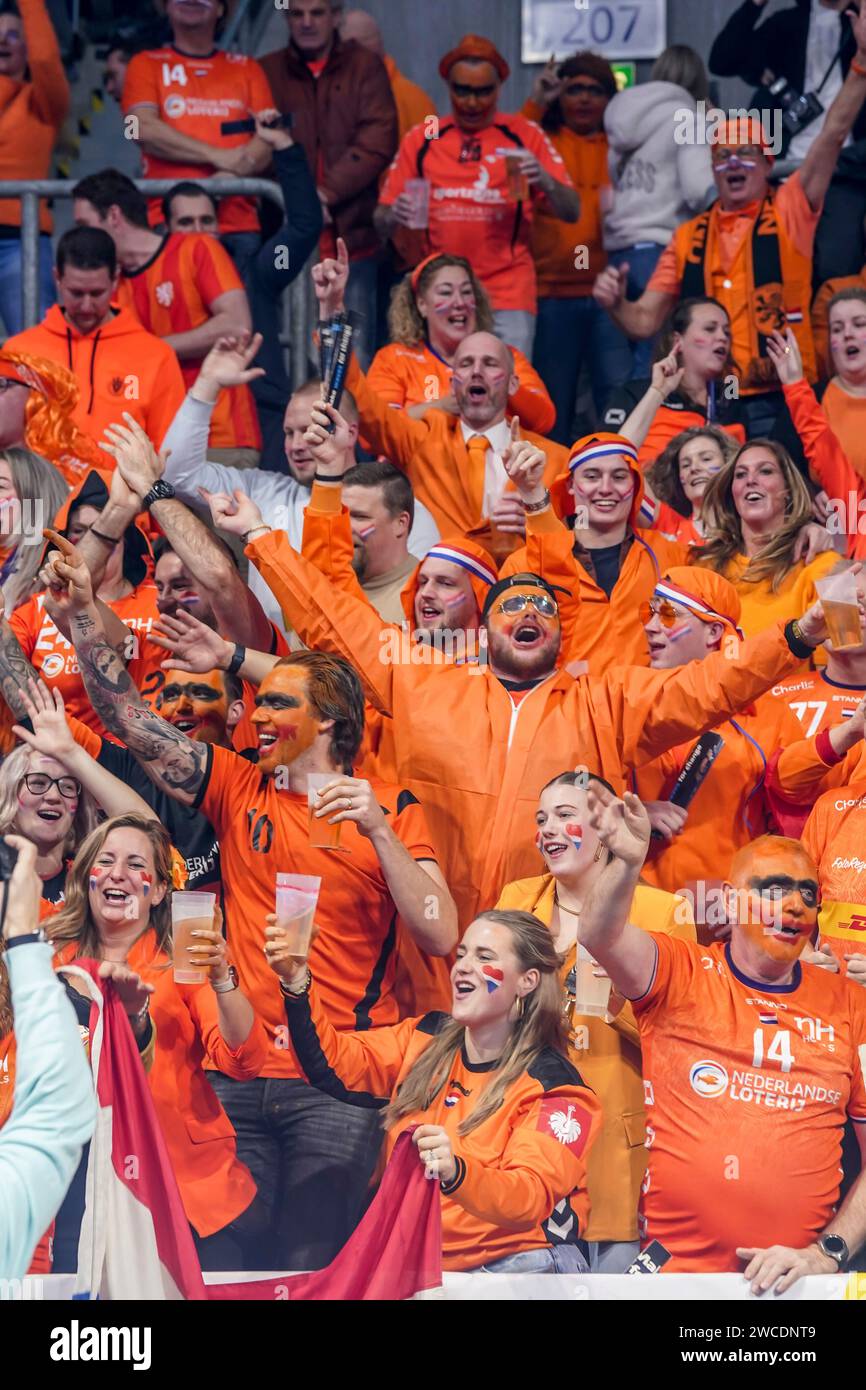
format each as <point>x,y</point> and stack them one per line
<point>642,261</point>
<point>361,298</point>
<point>312,1158</point>
<point>547,1259</point>
<point>569,334</point>
<point>10,283</point>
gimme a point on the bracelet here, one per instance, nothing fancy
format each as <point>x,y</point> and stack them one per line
<point>227,985</point>
<point>530,507</point>
<point>106,540</point>
<point>294,993</point>
<point>261,527</point>
<point>237,661</point>
<point>328,478</point>
<point>143,1011</point>
<point>855,67</point>
<point>797,642</point>
<point>25,938</point>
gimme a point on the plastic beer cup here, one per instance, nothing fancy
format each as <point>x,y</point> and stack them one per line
<point>296,898</point>
<point>592,994</point>
<point>189,912</point>
<point>323,835</point>
<point>838,595</point>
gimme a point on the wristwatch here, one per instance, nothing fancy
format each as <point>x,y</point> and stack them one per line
<point>836,1248</point>
<point>160,492</point>
<point>226,986</point>
<point>24,938</point>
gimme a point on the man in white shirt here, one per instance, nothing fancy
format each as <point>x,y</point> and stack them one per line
<point>280,498</point>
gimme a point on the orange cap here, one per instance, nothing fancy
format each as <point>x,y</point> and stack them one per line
<point>474,46</point>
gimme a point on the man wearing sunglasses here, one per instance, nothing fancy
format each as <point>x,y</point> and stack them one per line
<point>487,173</point>
<point>474,742</point>
<point>693,612</point>
<point>753,249</point>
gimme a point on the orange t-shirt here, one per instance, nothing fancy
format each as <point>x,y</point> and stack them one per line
<point>676,526</point>
<point>471,211</point>
<point>173,293</point>
<point>264,830</point>
<point>406,375</point>
<point>835,837</point>
<point>747,1087</point>
<point>54,658</point>
<point>818,702</point>
<point>194,95</point>
<point>562,272</point>
<point>847,418</point>
<point>796,217</point>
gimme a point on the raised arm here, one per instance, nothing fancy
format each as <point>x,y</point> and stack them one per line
<point>171,760</point>
<point>52,736</point>
<point>828,463</point>
<point>49,87</point>
<point>197,648</point>
<point>666,377</point>
<point>818,167</point>
<point>296,238</point>
<point>240,617</point>
<point>627,953</point>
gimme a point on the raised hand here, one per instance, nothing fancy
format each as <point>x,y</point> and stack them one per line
<point>193,645</point>
<point>138,462</point>
<point>784,353</point>
<point>23,891</point>
<point>73,591</point>
<point>667,374</point>
<point>237,514</point>
<point>623,826</point>
<point>330,278</point>
<point>352,798</point>
<point>524,463</point>
<point>278,137</point>
<point>329,450</point>
<point>548,84</point>
<point>228,362</point>
<point>47,713</point>
<point>290,968</point>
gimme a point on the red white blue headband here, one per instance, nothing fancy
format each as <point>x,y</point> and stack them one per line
<point>602,450</point>
<point>485,573</point>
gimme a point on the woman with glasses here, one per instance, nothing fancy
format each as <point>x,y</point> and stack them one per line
<point>569,101</point>
<point>603,1044</point>
<point>52,792</point>
<point>432,310</point>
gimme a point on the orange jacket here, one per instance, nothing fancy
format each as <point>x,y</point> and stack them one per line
<point>513,1171</point>
<point>609,632</point>
<point>32,111</point>
<point>119,367</point>
<point>413,375</point>
<point>606,1052</point>
<point>411,101</point>
<point>561,273</point>
<point>214,1185</point>
<point>474,759</point>
<point>433,454</point>
<point>828,465</point>
<point>731,806</point>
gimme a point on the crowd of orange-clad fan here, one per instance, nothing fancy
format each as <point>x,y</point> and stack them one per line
<point>504,709</point>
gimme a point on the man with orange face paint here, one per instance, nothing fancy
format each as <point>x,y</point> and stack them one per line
<point>693,612</point>
<point>475,741</point>
<point>748,1055</point>
<point>312,1159</point>
<point>583,534</point>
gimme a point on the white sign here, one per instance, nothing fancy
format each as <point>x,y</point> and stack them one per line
<point>626,29</point>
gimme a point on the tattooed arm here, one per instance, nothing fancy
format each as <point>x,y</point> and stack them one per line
<point>171,760</point>
<point>15,669</point>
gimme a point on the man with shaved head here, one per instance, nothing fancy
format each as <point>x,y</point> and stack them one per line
<point>412,102</point>
<point>454,461</point>
<point>751,1059</point>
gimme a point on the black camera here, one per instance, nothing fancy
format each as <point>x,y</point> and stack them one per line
<point>799,109</point>
<point>8,860</point>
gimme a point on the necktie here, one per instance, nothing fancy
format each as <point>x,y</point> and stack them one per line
<point>476,447</point>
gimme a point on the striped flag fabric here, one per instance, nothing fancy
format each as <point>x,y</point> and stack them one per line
<point>135,1240</point>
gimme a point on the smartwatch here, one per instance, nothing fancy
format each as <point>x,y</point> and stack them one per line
<point>226,986</point>
<point>160,492</point>
<point>25,938</point>
<point>836,1248</point>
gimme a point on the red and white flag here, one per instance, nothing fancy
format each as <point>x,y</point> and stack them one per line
<point>135,1239</point>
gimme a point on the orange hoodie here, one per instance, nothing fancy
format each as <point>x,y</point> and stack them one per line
<point>119,367</point>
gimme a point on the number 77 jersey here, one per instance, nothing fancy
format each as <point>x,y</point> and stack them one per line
<point>747,1089</point>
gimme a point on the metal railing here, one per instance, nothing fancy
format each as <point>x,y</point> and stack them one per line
<point>297,301</point>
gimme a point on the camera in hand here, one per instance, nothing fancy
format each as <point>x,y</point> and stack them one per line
<point>8,860</point>
<point>799,109</point>
<point>248,126</point>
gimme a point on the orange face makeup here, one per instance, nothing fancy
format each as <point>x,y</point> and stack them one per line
<point>285,722</point>
<point>195,704</point>
<point>781,894</point>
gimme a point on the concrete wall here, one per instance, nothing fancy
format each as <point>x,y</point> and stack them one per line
<point>418,32</point>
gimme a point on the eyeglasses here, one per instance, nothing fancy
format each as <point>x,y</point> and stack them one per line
<point>662,609</point>
<point>590,89</point>
<point>542,603</point>
<point>38,783</point>
<point>464,92</point>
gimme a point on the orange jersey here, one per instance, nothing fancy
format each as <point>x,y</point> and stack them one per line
<point>262,830</point>
<point>119,367</point>
<point>847,417</point>
<point>834,837</point>
<point>404,375</point>
<point>747,1088</point>
<point>194,95</point>
<point>173,293</point>
<point>472,213</point>
<point>55,661</point>
<point>521,1175</point>
<point>674,525</point>
<point>816,701</point>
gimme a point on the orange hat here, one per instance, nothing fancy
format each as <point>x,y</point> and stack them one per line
<point>742,130</point>
<point>457,550</point>
<point>593,447</point>
<point>474,46</point>
<point>708,595</point>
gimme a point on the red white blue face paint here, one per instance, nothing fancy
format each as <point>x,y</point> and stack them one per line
<point>493,976</point>
<point>146,882</point>
<point>96,874</point>
<point>733,161</point>
<point>574,831</point>
<point>365,532</point>
<point>673,634</point>
<point>539,839</point>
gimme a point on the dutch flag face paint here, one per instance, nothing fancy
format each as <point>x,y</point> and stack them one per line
<point>95,879</point>
<point>146,882</point>
<point>574,831</point>
<point>493,977</point>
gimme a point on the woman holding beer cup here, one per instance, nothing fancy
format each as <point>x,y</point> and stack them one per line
<point>602,1032</point>
<point>499,1115</point>
<point>118,910</point>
